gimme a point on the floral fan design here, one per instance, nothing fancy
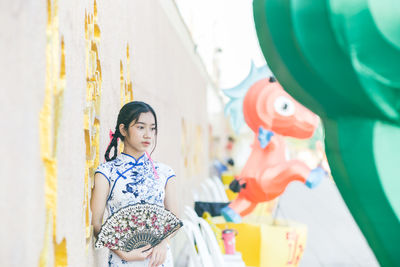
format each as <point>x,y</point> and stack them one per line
<point>136,226</point>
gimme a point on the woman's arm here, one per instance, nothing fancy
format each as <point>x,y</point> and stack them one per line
<point>98,204</point>
<point>98,201</point>
<point>159,253</point>
<point>170,200</point>
<point>139,254</point>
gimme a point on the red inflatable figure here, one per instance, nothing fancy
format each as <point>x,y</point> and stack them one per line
<point>271,113</point>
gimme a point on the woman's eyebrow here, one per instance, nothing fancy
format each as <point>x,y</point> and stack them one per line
<point>140,122</point>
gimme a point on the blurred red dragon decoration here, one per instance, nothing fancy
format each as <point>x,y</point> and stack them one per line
<point>271,113</point>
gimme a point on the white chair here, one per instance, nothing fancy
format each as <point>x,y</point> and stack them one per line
<point>212,188</point>
<point>195,195</point>
<point>184,251</point>
<point>221,188</point>
<point>198,223</point>
<point>212,243</point>
<point>202,249</point>
<point>201,227</point>
<point>191,214</point>
<point>205,194</point>
<point>234,260</point>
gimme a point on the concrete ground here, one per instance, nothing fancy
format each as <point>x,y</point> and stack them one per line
<point>334,239</point>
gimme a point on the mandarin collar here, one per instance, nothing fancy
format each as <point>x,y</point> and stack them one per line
<point>130,159</point>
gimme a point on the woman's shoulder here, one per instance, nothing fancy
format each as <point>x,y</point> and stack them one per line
<point>107,166</point>
<point>162,165</point>
<point>164,169</point>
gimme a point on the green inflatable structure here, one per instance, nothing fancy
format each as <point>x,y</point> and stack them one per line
<point>341,59</point>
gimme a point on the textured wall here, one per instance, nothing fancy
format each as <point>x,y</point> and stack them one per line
<point>65,71</point>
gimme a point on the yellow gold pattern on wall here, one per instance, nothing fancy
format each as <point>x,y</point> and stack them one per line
<point>185,147</point>
<point>92,110</point>
<point>198,150</point>
<point>49,124</point>
<point>192,148</point>
<point>126,84</point>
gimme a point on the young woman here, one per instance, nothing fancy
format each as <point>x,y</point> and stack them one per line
<point>132,177</point>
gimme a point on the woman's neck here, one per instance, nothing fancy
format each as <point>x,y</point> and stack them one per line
<point>135,154</point>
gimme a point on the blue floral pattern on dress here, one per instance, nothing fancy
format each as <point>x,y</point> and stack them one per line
<point>134,181</point>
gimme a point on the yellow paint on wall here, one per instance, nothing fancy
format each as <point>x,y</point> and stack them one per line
<point>126,83</point>
<point>126,89</point>
<point>192,148</point>
<point>43,259</point>
<point>198,150</point>
<point>91,114</point>
<point>49,124</point>
<point>60,253</point>
<point>184,147</point>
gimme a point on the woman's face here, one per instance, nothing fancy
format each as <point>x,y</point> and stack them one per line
<point>140,135</point>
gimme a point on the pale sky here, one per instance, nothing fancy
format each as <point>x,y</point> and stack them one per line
<point>228,25</point>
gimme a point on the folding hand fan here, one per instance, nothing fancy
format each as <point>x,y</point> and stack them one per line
<point>136,226</point>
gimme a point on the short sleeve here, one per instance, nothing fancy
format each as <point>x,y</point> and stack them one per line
<point>104,169</point>
<point>166,172</point>
<point>170,174</point>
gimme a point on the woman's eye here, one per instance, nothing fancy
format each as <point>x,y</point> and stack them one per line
<point>284,106</point>
<point>153,129</point>
<point>140,127</point>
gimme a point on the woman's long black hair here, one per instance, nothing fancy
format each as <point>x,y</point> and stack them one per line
<point>128,113</point>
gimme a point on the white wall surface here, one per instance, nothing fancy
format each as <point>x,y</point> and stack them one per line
<point>165,71</point>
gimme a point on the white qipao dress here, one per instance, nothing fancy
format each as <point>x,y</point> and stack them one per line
<point>135,181</point>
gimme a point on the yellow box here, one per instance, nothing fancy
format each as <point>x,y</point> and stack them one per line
<point>227,178</point>
<point>269,245</point>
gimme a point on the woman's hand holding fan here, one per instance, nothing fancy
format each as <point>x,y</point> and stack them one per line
<point>138,254</point>
<point>136,226</point>
<point>159,254</point>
